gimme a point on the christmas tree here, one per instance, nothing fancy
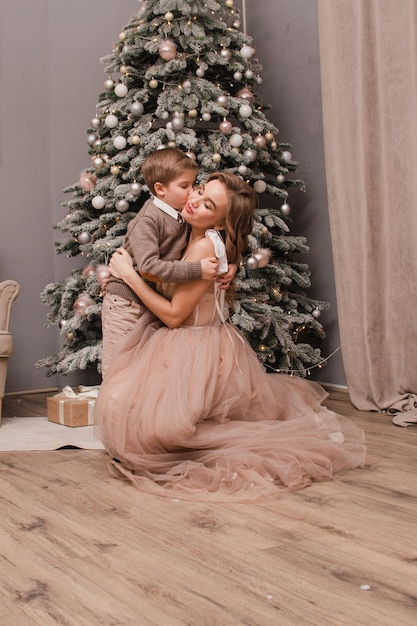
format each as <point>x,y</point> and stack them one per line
<point>183,74</point>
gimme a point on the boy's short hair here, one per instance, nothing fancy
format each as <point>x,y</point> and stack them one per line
<point>164,165</point>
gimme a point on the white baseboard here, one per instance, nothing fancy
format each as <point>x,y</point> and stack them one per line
<point>343,388</point>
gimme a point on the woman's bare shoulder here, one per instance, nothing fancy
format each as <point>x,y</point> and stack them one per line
<point>204,247</point>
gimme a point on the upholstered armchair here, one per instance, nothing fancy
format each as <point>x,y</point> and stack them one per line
<point>9,290</point>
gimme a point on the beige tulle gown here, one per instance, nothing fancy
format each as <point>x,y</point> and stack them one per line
<point>190,413</point>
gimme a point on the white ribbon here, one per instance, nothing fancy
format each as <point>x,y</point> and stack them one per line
<point>90,414</point>
<point>85,391</point>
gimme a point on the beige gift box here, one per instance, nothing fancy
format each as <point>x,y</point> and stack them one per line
<point>73,412</point>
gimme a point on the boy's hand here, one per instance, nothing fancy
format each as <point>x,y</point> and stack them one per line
<point>121,263</point>
<point>225,280</point>
<point>209,268</point>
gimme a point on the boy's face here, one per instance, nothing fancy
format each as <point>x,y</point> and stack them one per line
<point>177,191</point>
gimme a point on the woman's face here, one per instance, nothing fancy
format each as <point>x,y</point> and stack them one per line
<point>207,206</point>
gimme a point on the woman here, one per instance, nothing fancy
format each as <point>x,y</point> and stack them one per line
<point>187,411</point>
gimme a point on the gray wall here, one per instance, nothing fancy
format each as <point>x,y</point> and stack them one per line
<point>50,77</point>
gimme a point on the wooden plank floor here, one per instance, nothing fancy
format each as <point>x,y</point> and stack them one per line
<point>78,547</point>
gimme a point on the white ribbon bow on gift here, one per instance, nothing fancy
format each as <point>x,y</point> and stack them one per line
<point>85,391</point>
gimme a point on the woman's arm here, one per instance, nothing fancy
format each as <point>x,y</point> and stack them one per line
<point>186,295</point>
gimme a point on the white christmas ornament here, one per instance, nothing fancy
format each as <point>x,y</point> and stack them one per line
<point>286,156</point>
<point>245,110</point>
<point>120,90</point>
<point>259,186</point>
<point>98,202</point>
<point>119,142</point>
<point>246,52</point>
<point>285,209</point>
<point>111,121</point>
<point>236,140</point>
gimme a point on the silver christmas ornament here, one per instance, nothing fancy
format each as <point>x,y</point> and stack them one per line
<point>84,237</point>
<point>122,205</point>
<point>250,154</point>
<point>222,100</point>
<point>177,123</point>
<point>252,263</point>
<point>95,122</point>
<point>285,208</point>
<point>135,188</point>
<point>286,156</point>
<point>136,108</point>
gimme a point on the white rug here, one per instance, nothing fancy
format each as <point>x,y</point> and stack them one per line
<point>37,433</point>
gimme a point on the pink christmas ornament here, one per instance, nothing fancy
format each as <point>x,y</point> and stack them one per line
<point>87,181</point>
<point>246,94</point>
<point>262,255</point>
<point>102,273</point>
<point>225,127</point>
<point>167,50</point>
<point>82,303</point>
<point>88,271</point>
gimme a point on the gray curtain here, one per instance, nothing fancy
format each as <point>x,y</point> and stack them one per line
<point>368,62</point>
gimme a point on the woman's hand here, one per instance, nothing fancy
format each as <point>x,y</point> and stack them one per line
<point>225,279</point>
<point>121,264</point>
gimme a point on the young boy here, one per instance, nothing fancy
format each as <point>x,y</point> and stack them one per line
<point>155,239</point>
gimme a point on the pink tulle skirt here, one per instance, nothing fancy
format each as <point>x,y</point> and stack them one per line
<point>190,413</point>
